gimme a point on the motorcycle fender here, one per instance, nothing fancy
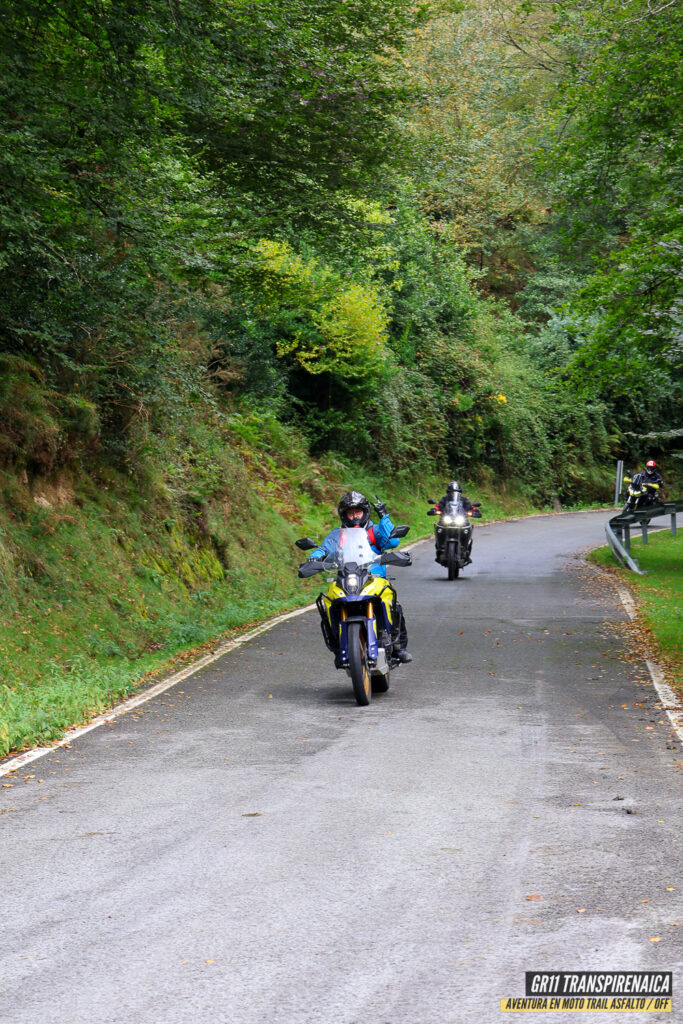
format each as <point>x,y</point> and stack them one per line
<point>343,617</point>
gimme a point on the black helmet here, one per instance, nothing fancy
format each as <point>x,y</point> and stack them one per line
<point>452,488</point>
<point>354,499</point>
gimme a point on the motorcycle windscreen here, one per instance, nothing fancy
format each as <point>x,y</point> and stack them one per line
<point>453,508</point>
<point>354,546</point>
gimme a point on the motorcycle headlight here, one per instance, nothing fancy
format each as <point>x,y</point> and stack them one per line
<point>447,520</point>
<point>351,583</point>
<point>460,520</point>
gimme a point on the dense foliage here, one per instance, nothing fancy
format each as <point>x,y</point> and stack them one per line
<point>252,252</point>
<point>331,214</point>
<point>612,162</point>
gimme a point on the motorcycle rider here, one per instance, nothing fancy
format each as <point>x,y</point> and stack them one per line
<point>354,513</point>
<point>454,493</point>
<point>650,478</point>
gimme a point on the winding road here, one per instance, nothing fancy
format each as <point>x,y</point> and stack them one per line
<point>252,848</point>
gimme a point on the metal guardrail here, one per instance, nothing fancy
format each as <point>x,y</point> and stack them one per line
<point>618,530</point>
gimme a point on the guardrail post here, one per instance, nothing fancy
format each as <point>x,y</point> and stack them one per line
<point>618,530</point>
<point>619,480</point>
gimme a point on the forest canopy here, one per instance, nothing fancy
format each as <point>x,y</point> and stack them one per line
<point>431,236</point>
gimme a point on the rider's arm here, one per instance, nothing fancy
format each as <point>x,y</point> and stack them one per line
<point>382,531</point>
<point>328,546</point>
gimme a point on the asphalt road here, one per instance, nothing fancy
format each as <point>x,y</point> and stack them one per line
<point>253,848</point>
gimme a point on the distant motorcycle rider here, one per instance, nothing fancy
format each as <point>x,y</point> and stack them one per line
<point>651,475</point>
<point>354,512</point>
<point>649,478</point>
<point>454,493</point>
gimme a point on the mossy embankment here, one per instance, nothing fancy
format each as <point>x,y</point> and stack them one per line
<point>110,576</point>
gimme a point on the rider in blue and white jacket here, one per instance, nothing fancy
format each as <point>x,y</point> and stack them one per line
<point>354,512</point>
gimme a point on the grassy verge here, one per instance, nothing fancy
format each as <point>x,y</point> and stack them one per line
<point>108,580</point>
<point>659,595</point>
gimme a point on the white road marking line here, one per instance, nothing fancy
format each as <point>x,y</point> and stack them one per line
<point>669,699</point>
<point>671,702</point>
<point>141,698</point>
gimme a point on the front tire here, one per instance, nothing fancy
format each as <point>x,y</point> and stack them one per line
<point>358,664</point>
<point>452,562</point>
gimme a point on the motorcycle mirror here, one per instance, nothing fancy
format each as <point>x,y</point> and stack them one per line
<point>476,504</point>
<point>311,568</point>
<point>431,501</point>
<point>399,531</point>
<point>305,543</point>
<point>396,558</point>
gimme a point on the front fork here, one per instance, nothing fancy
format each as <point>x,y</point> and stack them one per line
<point>370,632</point>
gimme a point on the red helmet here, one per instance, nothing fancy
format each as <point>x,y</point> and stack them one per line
<point>651,464</point>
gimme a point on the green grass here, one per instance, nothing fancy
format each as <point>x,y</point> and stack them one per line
<point>118,579</point>
<point>659,594</point>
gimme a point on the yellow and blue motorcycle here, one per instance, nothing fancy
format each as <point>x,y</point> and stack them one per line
<point>358,614</point>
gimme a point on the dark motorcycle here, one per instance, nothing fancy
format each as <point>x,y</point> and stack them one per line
<point>358,613</point>
<point>640,493</point>
<point>453,535</point>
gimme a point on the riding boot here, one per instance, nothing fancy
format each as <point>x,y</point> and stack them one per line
<point>403,655</point>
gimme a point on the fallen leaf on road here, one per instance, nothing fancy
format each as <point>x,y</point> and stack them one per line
<point>534,896</point>
<point>582,910</point>
<point>654,938</point>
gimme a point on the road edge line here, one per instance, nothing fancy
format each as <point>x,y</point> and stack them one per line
<point>222,649</point>
<point>141,698</point>
<point>670,700</point>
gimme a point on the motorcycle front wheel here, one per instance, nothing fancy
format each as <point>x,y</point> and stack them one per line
<point>452,562</point>
<point>358,664</point>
